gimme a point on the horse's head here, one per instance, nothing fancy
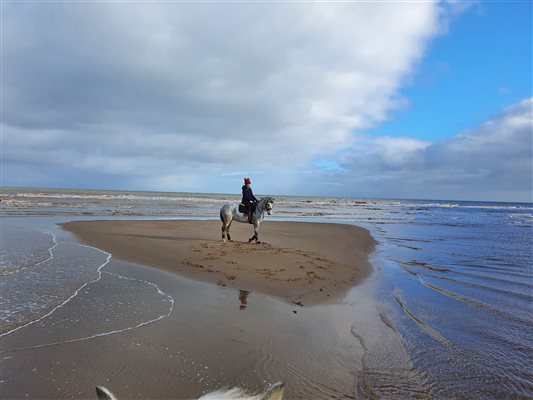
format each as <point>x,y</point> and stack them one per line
<point>269,204</point>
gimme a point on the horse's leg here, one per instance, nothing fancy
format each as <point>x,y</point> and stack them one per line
<point>223,228</point>
<point>254,237</point>
<point>227,229</point>
<point>256,230</point>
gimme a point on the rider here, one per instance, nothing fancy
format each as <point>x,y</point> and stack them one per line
<point>248,198</point>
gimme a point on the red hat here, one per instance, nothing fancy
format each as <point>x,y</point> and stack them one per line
<point>247,181</point>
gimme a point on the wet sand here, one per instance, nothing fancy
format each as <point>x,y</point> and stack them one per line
<point>298,262</point>
<point>209,340</point>
<point>145,330</point>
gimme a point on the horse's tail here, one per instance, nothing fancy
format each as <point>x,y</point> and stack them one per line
<point>221,217</point>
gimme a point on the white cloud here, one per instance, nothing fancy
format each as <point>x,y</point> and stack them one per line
<point>153,89</point>
<point>384,153</point>
<point>183,96</point>
<point>493,161</point>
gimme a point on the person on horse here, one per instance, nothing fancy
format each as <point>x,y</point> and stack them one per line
<point>248,198</point>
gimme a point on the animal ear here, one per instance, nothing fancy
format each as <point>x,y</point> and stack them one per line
<point>274,392</point>
<point>104,394</point>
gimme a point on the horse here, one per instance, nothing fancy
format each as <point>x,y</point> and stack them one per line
<point>230,212</point>
<point>274,392</point>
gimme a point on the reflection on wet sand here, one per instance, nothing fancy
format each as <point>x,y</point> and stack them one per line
<point>243,298</point>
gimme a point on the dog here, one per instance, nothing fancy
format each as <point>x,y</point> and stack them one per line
<point>274,392</point>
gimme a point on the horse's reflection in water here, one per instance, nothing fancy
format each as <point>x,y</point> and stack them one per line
<point>243,298</point>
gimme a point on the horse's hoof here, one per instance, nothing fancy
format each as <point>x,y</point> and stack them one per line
<point>258,242</point>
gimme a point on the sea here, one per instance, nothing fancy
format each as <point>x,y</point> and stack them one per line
<point>452,281</point>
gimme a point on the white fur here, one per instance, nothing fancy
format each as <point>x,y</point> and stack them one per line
<point>104,394</point>
<point>230,394</point>
<point>274,392</point>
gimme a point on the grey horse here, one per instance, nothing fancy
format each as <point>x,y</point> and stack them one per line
<point>230,212</point>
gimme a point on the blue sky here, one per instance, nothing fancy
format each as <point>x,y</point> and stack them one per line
<point>468,75</point>
<point>364,99</point>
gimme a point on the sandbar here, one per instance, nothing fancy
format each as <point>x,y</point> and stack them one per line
<point>302,263</point>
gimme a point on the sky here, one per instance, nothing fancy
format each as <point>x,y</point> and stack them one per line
<point>422,99</point>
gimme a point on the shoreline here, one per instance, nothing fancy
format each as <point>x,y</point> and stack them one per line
<point>303,263</point>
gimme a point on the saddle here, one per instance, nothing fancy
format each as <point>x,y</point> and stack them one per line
<point>244,210</point>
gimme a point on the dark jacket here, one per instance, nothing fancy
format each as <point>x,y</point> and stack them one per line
<point>247,195</point>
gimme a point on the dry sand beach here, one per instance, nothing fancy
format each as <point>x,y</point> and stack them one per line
<point>300,263</point>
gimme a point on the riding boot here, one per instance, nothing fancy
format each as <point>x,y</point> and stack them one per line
<point>250,217</point>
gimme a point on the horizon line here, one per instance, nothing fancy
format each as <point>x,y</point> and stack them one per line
<point>272,194</point>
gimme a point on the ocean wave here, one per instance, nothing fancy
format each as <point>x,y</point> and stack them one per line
<point>39,316</point>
